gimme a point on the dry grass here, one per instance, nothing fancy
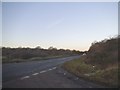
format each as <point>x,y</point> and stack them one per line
<point>108,76</point>
<point>99,65</point>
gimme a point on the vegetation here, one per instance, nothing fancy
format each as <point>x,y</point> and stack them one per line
<point>100,64</point>
<point>38,53</point>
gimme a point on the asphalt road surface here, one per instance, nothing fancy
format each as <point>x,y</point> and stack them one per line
<point>42,74</point>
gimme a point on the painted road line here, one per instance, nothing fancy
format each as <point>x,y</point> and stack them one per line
<point>49,69</point>
<point>38,73</point>
<point>54,68</point>
<point>43,71</point>
<point>35,74</point>
<point>25,77</point>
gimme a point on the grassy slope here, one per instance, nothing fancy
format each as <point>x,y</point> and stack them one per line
<point>99,65</point>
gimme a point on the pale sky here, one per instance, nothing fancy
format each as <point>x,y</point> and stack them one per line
<point>61,25</point>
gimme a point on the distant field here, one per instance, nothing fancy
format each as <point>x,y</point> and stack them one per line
<point>99,65</point>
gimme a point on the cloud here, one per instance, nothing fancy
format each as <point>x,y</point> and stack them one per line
<point>55,23</point>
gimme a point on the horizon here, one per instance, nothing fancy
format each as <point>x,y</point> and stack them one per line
<point>42,48</point>
<point>109,38</point>
<point>63,25</point>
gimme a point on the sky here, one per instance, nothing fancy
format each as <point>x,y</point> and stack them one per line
<point>66,25</point>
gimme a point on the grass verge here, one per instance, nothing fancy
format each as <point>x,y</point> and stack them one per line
<point>107,76</point>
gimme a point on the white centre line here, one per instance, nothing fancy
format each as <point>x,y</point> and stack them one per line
<point>25,77</point>
<point>38,73</point>
<point>35,74</point>
<point>43,71</point>
<point>54,68</point>
<point>49,69</point>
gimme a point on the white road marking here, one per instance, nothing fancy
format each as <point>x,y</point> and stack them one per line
<point>43,71</point>
<point>54,68</point>
<point>35,74</point>
<point>25,77</point>
<point>40,72</point>
<point>49,69</point>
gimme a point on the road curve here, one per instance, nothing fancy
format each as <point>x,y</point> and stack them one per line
<point>42,74</point>
<point>12,71</point>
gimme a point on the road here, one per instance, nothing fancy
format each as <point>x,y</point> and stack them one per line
<point>42,74</point>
